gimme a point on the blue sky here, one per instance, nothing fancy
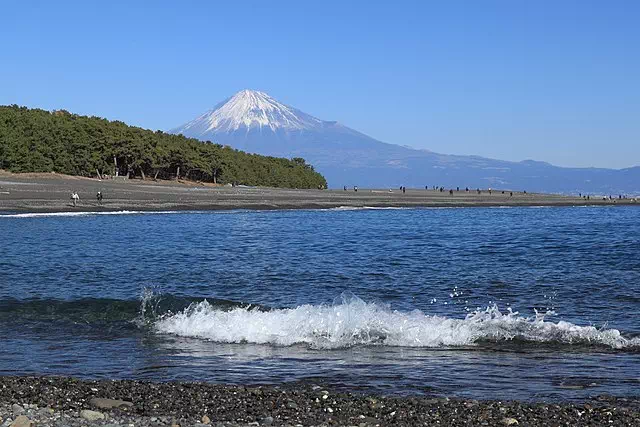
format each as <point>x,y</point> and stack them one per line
<point>557,80</point>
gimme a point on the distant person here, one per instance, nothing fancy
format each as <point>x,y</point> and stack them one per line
<point>426,187</point>
<point>489,190</point>
<point>99,197</point>
<point>451,192</point>
<point>479,192</point>
<point>355,188</point>
<point>404,189</point>
<point>511,194</point>
<point>457,188</point>
<point>345,188</point>
<point>466,189</point>
<point>75,198</point>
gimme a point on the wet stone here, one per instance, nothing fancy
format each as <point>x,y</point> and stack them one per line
<point>91,415</point>
<point>22,421</point>
<point>103,403</point>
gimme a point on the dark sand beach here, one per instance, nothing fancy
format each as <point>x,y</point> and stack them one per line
<point>52,193</point>
<point>59,401</point>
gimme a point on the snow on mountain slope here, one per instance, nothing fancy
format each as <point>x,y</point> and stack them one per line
<point>249,109</point>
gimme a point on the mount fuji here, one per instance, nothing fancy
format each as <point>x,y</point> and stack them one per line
<point>255,122</point>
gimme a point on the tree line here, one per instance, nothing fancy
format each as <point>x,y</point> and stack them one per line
<point>35,140</point>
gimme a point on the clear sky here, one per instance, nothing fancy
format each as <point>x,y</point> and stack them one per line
<point>555,80</point>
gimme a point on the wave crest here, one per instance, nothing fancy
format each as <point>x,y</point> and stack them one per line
<point>355,322</point>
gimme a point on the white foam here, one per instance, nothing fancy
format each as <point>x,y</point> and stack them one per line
<point>362,208</point>
<point>355,322</point>
<point>77,214</point>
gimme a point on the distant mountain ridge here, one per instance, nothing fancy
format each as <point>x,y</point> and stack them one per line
<point>255,122</point>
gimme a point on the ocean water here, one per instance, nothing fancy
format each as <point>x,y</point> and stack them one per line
<point>504,303</point>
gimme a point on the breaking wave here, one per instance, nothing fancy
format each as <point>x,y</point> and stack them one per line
<point>365,208</point>
<point>356,322</point>
<point>78,214</point>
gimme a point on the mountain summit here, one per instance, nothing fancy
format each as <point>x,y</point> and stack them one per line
<point>246,110</point>
<point>255,122</point>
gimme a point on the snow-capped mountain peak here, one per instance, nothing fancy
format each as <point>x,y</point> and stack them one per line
<point>249,109</point>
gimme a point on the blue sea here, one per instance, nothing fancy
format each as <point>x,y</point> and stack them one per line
<point>500,303</point>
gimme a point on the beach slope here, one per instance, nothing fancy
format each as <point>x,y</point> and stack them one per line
<point>50,192</point>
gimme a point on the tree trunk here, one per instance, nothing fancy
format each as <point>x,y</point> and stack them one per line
<point>98,172</point>
<point>115,162</point>
<point>142,173</point>
<point>178,173</point>
<point>155,177</point>
<point>215,181</point>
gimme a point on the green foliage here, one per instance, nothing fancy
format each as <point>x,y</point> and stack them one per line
<point>33,140</point>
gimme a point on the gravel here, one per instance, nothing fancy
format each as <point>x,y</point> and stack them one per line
<point>62,401</point>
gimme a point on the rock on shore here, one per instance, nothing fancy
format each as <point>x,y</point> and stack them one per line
<point>56,401</point>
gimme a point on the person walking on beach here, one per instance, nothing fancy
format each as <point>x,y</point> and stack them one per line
<point>99,197</point>
<point>355,188</point>
<point>75,198</point>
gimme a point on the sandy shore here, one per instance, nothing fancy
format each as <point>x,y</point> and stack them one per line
<point>51,193</point>
<point>59,401</point>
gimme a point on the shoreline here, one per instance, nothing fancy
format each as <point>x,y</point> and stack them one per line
<point>45,212</point>
<point>50,193</point>
<point>62,401</point>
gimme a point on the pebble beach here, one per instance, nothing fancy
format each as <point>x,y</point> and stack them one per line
<point>62,401</point>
